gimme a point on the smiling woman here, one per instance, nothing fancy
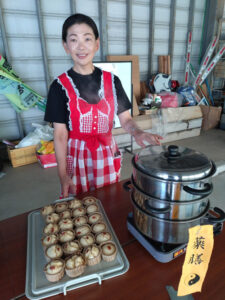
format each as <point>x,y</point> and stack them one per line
<point>82,45</point>
<point>82,104</point>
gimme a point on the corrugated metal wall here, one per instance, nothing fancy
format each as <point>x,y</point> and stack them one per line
<point>140,27</point>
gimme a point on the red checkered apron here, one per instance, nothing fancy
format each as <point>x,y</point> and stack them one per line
<point>93,159</point>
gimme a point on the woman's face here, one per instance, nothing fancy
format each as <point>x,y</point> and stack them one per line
<point>82,46</point>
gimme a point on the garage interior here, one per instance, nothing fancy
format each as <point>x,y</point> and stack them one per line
<point>153,36</point>
<point>159,230</point>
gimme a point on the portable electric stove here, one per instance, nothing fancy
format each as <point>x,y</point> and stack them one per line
<point>162,252</point>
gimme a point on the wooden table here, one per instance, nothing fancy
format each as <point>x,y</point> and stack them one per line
<point>145,279</point>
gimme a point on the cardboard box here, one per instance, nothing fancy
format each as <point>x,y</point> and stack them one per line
<point>211,116</point>
<point>22,156</point>
<point>47,160</point>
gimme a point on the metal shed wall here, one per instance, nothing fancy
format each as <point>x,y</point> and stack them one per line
<point>146,28</point>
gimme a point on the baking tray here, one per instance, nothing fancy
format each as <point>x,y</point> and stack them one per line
<point>38,287</point>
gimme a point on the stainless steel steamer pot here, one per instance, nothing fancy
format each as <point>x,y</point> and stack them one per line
<point>164,209</point>
<point>173,173</point>
<point>170,231</point>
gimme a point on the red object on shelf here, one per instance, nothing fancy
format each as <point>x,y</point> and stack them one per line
<point>47,160</point>
<point>169,99</point>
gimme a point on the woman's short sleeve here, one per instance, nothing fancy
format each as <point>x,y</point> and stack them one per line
<point>122,99</point>
<point>56,108</point>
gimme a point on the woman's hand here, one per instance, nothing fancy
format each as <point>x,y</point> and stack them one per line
<point>67,186</point>
<point>60,142</point>
<point>141,136</point>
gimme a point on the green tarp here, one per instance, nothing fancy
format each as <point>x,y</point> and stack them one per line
<point>21,96</point>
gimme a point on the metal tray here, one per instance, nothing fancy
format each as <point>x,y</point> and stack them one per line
<point>38,287</point>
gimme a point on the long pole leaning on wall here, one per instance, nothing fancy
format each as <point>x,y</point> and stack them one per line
<point>43,44</point>
<point>73,6</point>
<point>151,37</point>
<point>7,55</point>
<point>102,12</point>
<point>191,15</point>
<point>172,31</point>
<point>188,67</point>
<point>129,52</point>
<point>129,26</point>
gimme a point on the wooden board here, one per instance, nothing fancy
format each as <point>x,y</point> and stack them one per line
<point>135,70</point>
<point>135,107</point>
<point>219,70</point>
<point>164,64</point>
<point>167,128</point>
<point>143,122</point>
<point>181,113</point>
<point>125,140</point>
<point>169,115</point>
<point>180,135</point>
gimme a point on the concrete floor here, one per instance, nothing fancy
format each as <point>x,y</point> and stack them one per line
<point>30,187</point>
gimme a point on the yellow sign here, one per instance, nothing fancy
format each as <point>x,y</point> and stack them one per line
<point>199,250</point>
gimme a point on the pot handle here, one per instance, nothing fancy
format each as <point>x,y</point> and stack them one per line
<point>135,204</point>
<point>126,186</point>
<point>220,219</point>
<point>208,190</point>
<point>156,210</point>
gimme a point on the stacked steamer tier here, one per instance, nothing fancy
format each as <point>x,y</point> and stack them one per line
<point>170,192</point>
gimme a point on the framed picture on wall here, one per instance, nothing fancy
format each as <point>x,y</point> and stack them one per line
<point>122,69</point>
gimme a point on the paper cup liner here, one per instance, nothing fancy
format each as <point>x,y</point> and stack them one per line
<point>57,276</point>
<point>111,257</point>
<point>76,271</point>
<point>94,261</point>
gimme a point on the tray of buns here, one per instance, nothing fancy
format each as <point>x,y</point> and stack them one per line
<point>71,244</point>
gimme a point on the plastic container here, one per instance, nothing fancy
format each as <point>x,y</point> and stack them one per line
<point>37,286</point>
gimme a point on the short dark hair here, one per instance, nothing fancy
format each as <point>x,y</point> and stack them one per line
<point>79,19</point>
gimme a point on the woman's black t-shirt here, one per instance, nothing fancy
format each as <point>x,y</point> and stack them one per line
<point>88,87</point>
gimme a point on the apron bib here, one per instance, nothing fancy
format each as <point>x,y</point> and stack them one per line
<point>94,159</point>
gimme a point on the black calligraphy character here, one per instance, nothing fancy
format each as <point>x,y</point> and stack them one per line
<point>196,259</point>
<point>191,260</point>
<point>199,243</point>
